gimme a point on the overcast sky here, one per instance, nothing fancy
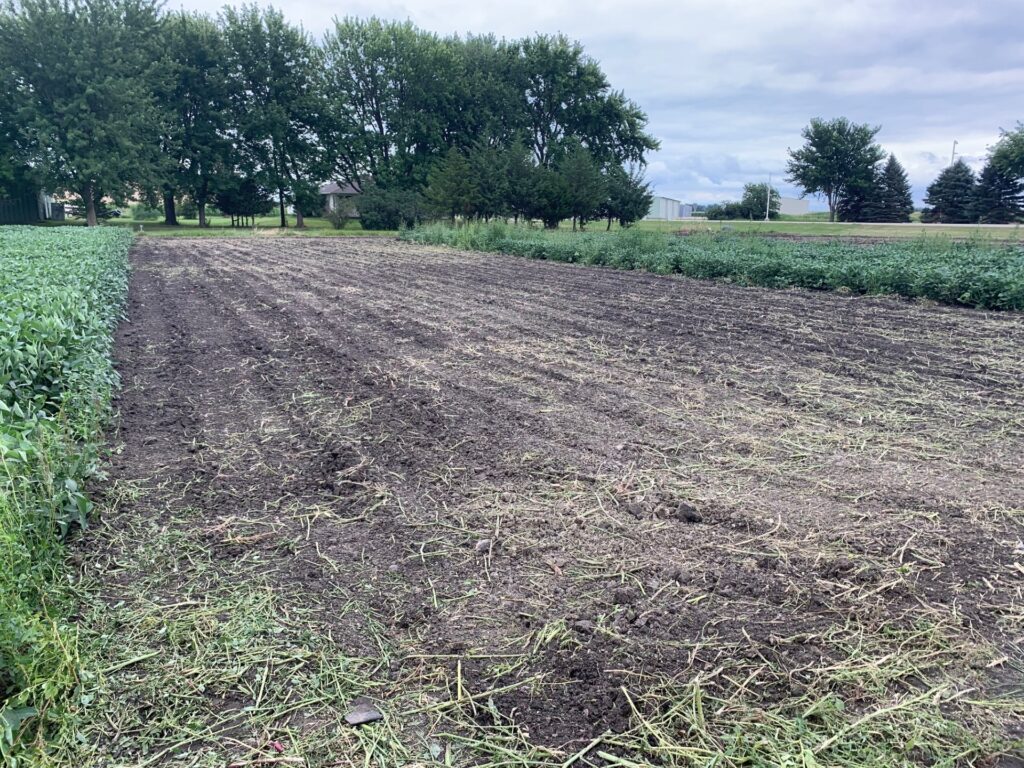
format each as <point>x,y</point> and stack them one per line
<point>729,84</point>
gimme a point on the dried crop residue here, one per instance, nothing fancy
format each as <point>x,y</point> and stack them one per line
<point>544,509</point>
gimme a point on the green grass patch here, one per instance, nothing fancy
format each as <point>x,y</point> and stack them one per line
<point>61,294</point>
<point>220,226</point>
<point>814,225</point>
<point>974,272</point>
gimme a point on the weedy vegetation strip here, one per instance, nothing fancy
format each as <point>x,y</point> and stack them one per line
<point>976,273</point>
<point>61,295</point>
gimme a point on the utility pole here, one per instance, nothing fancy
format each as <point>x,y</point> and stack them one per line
<point>768,205</point>
<point>952,156</point>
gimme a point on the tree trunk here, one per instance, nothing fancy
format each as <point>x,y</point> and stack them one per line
<point>170,213</point>
<point>609,227</point>
<point>90,205</point>
<point>300,222</point>
<point>201,204</point>
<point>280,199</point>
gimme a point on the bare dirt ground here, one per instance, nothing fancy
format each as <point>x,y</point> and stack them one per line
<point>547,515</point>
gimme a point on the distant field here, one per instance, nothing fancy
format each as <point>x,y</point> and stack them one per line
<point>827,229</point>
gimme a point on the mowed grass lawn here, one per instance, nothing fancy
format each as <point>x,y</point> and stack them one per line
<point>220,226</point>
<point>1012,232</point>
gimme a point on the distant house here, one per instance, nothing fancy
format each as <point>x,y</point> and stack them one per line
<point>685,211</point>
<point>794,206</point>
<point>335,196</point>
<point>663,209</point>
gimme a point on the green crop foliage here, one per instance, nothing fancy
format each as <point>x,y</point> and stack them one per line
<point>61,295</point>
<point>975,273</point>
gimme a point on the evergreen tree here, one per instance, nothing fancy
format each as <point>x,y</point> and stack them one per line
<point>997,196</point>
<point>242,200</point>
<point>520,176</point>
<point>629,196</point>
<point>584,184</point>
<point>550,199</point>
<point>452,188</point>
<point>488,166</point>
<point>85,74</point>
<point>951,196</point>
<point>860,200</point>
<point>894,203</point>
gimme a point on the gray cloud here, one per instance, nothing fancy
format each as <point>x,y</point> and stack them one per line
<point>728,85</point>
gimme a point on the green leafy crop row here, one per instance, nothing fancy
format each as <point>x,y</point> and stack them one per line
<point>974,273</point>
<point>61,294</point>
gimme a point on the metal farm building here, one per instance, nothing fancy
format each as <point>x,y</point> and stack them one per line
<point>663,209</point>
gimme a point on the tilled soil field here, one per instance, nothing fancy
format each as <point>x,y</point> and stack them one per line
<point>536,514</point>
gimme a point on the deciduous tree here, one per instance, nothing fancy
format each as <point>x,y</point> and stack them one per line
<point>1008,153</point>
<point>756,199</point>
<point>273,71</point>
<point>566,95</point>
<point>836,156</point>
<point>84,82</point>
<point>195,97</point>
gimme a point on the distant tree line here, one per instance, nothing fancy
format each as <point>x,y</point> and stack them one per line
<point>119,98</point>
<point>758,199</point>
<point>841,162</point>
<point>485,182</point>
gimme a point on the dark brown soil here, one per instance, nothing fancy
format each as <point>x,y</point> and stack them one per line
<point>623,477</point>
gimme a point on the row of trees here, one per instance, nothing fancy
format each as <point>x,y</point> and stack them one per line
<point>841,161</point>
<point>757,200</point>
<point>957,197</point>
<point>113,97</point>
<point>491,182</point>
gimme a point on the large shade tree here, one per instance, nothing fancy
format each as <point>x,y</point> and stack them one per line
<point>273,74</point>
<point>566,95</point>
<point>837,156</point>
<point>84,80</point>
<point>195,98</point>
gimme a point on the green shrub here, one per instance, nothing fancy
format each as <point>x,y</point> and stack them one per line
<point>145,212</point>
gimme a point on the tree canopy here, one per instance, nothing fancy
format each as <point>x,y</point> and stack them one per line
<point>118,98</point>
<point>1008,153</point>
<point>85,75</point>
